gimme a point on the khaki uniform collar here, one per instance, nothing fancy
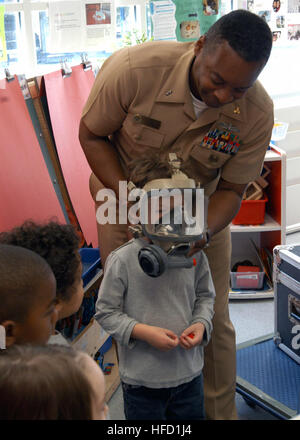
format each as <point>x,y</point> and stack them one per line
<point>176,89</point>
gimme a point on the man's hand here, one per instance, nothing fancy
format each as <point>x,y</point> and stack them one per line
<point>160,338</point>
<point>191,336</point>
<point>196,247</point>
<point>224,204</point>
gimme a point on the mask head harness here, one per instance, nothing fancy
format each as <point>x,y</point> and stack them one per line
<point>175,212</point>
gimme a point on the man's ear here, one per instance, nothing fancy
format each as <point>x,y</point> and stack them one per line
<point>199,45</point>
<point>11,330</point>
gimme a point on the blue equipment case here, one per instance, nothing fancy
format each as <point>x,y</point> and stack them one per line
<point>286,280</point>
<point>268,378</point>
<point>268,370</point>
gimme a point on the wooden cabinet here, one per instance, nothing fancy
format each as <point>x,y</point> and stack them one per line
<point>93,336</point>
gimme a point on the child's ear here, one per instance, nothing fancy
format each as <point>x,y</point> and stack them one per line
<point>58,307</point>
<point>11,329</point>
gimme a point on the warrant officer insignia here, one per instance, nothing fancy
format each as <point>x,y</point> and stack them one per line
<point>228,127</point>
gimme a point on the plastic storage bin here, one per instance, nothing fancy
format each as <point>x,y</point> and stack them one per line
<point>91,261</point>
<point>247,280</point>
<point>252,212</point>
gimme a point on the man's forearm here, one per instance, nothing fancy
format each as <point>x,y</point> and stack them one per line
<point>102,158</point>
<point>223,207</point>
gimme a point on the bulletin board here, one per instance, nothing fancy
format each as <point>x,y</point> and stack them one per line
<point>26,190</point>
<point>66,97</point>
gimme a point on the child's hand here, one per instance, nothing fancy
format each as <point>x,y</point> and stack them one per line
<point>192,336</point>
<point>160,338</point>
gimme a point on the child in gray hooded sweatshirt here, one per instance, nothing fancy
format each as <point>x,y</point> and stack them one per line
<point>160,324</point>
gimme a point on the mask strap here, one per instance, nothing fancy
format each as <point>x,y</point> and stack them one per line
<point>2,338</point>
<point>174,162</point>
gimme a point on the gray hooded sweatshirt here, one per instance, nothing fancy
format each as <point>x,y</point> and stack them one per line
<point>175,300</point>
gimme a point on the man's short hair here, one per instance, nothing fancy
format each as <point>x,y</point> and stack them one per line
<point>246,33</point>
<point>21,274</point>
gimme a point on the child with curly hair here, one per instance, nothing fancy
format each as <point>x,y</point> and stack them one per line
<point>58,244</point>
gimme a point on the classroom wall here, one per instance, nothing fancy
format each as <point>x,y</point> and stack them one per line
<point>291,145</point>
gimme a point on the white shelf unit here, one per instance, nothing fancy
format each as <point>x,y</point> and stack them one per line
<point>273,231</point>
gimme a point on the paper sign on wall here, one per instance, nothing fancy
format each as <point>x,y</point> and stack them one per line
<point>163,20</point>
<point>76,26</point>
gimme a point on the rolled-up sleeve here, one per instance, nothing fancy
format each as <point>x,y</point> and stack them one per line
<point>205,297</point>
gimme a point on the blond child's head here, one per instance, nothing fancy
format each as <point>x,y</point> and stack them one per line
<point>50,382</point>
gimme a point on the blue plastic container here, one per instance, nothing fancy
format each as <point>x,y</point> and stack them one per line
<point>91,261</point>
<point>106,346</point>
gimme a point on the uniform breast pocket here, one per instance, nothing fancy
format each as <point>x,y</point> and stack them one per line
<point>208,158</point>
<point>142,136</point>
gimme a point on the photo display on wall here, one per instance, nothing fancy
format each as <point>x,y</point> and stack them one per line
<point>187,20</point>
<point>283,17</point>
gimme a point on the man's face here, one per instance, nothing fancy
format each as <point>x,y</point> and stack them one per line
<point>219,75</point>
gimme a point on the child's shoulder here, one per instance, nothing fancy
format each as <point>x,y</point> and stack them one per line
<point>123,252</point>
<point>124,248</point>
<point>122,257</point>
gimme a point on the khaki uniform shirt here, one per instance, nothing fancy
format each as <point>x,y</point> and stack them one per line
<point>141,98</point>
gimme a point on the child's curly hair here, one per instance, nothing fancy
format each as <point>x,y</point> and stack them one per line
<point>58,244</point>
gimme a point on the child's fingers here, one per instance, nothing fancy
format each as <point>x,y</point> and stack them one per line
<point>174,342</point>
<point>186,342</point>
<point>172,339</point>
<point>171,334</point>
<point>183,344</point>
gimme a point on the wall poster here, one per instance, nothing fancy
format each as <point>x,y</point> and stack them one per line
<point>183,20</point>
<point>163,19</point>
<point>80,25</point>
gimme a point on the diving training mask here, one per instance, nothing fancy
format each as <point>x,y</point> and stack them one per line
<point>173,216</point>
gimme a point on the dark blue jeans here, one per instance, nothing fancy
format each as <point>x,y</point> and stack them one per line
<point>184,402</point>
